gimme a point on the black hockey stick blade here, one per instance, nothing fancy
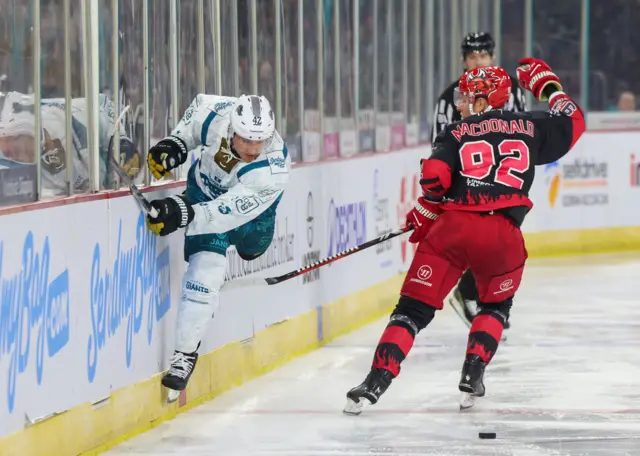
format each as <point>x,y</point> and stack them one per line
<point>241,283</point>
<point>135,191</point>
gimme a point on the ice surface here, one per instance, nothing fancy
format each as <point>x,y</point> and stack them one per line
<point>567,382</point>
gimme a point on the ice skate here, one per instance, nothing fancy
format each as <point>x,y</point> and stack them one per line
<point>176,379</point>
<point>468,309</point>
<point>465,308</point>
<point>471,385</point>
<point>371,389</point>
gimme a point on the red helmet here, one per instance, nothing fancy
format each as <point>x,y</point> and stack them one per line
<point>492,83</point>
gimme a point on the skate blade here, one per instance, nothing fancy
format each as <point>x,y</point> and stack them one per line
<point>354,408</point>
<point>467,400</point>
<point>453,302</point>
<point>172,395</point>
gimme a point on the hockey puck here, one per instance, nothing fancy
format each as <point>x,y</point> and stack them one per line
<point>487,435</point>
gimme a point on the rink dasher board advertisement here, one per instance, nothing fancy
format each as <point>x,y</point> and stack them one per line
<point>596,185</point>
<point>86,299</point>
<point>88,296</point>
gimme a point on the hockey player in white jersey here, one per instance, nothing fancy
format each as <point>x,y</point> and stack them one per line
<point>231,198</point>
<point>17,140</point>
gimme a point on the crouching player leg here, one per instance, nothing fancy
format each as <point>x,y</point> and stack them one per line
<point>206,255</point>
<point>201,285</point>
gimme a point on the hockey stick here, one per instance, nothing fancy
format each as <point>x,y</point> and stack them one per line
<point>116,126</point>
<point>135,191</point>
<point>240,283</point>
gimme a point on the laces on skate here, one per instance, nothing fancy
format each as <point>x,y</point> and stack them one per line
<point>181,365</point>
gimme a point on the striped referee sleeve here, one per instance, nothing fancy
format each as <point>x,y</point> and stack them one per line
<point>443,116</point>
<point>520,103</point>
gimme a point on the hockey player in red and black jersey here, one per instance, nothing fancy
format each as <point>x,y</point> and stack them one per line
<point>477,51</point>
<point>475,196</point>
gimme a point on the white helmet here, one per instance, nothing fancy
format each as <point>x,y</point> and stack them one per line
<point>16,115</point>
<point>252,118</point>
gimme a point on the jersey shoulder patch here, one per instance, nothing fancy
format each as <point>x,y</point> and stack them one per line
<point>277,162</point>
<point>222,105</point>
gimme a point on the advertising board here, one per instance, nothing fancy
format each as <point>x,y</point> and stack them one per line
<point>591,187</point>
<point>86,296</point>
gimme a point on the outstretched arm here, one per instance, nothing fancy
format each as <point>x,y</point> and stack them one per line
<point>560,127</point>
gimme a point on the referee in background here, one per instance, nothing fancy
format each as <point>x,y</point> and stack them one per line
<point>477,52</point>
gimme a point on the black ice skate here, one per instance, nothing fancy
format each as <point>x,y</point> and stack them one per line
<point>371,389</point>
<point>182,365</point>
<point>471,384</point>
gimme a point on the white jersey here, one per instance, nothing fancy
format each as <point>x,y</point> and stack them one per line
<point>239,191</point>
<point>17,119</point>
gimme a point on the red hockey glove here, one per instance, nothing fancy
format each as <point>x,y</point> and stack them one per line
<point>421,218</point>
<point>536,76</point>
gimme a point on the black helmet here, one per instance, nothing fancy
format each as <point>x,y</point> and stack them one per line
<point>477,42</point>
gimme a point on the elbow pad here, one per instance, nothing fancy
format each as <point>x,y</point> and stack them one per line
<point>435,179</point>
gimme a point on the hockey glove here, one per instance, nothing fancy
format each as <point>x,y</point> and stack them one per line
<point>129,157</point>
<point>168,154</point>
<point>536,76</point>
<point>421,218</point>
<point>173,213</point>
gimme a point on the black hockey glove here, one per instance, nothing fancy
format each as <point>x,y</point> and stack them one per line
<point>168,154</point>
<point>173,213</point>
<point>130,159</point>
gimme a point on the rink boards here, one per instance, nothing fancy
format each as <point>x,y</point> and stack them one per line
<point>88,297</point>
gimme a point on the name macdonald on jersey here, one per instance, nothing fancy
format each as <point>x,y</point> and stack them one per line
<point>493,126</point>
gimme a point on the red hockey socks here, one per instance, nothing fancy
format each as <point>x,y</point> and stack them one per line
<point>409,317</point>
<point>393,348</point>
<point>484,336</point>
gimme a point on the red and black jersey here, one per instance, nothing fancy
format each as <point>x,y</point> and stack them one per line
<point>487,162</point>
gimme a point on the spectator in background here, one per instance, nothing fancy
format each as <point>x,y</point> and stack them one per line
<point>266,80</point>
<point>626,101</point>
